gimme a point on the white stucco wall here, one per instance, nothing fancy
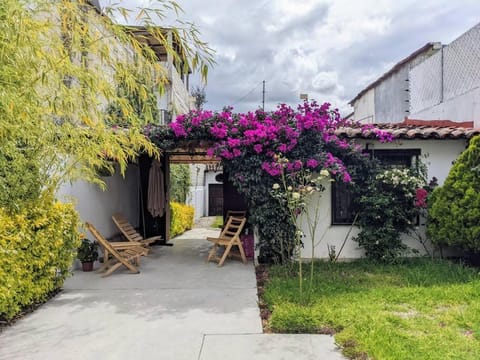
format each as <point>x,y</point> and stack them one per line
<point>465,107</point>
<point>196,195</point>
<point>97,206</point>
<point>441,154</point>
<point>197,174</point>
<point>364,108</point>
<point>196,198</point>
<point>447,86</point>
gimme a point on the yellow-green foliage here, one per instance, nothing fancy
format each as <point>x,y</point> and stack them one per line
<point>60,64</point>
<point>37,248</point>
<point>181,218</point>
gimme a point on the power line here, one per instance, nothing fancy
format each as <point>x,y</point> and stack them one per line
<point>245,96</point>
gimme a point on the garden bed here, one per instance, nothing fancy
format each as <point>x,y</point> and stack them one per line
<point>419,309</point>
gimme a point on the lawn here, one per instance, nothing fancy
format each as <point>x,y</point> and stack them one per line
<point>419,309</point>
<point>218,223</point>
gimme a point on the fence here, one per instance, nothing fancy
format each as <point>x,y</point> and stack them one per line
<point>449,73</point>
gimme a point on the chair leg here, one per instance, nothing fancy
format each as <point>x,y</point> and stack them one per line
<point>242,253</point>
<point>225,254</point>
<point>112,269</point>
<point>212,253</point>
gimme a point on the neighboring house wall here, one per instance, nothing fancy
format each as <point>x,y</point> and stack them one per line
<point>447,86</point>
<point>392,94</point>
<point>97,206</point>
<point>386,100</point>
<point>391,98</point>
<point>364,108</point>
<point>176,99</point>
<point>180,98</point>
<point>441,154</point>
<point>465,107</point>
<point>196,196</point>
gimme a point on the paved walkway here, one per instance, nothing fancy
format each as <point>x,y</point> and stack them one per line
<point>177,308</point>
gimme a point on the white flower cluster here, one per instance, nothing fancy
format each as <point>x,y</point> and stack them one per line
<point>401,177</point>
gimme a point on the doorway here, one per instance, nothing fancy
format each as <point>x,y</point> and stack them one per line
<point>215,199</point>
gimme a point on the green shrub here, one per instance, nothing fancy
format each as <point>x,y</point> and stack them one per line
<point>181,218</point>
<point>387,210</point>
<point>454,214</point>
<point>88,251</point>
<point>37,248</point>
<point>179,182</point>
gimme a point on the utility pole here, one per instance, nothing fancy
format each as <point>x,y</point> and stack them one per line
<point>263,96</point>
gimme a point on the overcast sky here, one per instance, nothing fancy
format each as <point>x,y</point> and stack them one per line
<point>328,49</point>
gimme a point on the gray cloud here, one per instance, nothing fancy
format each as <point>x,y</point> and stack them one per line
<point>330,49</point>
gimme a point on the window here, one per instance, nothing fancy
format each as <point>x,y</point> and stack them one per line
<point>342,209</point>
<point>396,158</point>
<point>342,197</point>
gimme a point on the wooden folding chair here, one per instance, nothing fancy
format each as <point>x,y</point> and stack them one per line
<point>229,237</point>
<point>130,233</point>
<point>239,214</point>
<point>117,254</point>
<point>236,213</point>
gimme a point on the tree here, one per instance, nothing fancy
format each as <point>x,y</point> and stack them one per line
<point>454,212</point>
<point>200,97</point>
<point>60,63</point>
<point>60,66</point>
<point>179,182</point>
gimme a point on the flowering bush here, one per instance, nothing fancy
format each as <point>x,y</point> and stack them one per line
<point>248,145</point>
<point>402,179</point>
<point>389,206</point>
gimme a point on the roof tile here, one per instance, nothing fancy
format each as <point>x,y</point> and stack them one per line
<point>407,131</point>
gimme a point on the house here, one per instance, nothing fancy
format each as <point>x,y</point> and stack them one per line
<point>127,194</point>
<point>447,84</point>
<point>430,85</point>
<point>206,191</point>
<point>433,83</point>
<point>437,144</point>
<point>387,98</point>
<point>176,99</point>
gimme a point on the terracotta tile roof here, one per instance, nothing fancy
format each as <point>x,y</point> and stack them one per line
<point>410,131</point>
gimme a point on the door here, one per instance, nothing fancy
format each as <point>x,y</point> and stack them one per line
<point>215,199</point>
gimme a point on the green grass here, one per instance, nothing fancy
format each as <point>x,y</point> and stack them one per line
<point>218,223</point>
<point>420,309</point>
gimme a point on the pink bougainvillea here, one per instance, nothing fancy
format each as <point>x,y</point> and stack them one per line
<point>280,132</point>
<point>421,198</point>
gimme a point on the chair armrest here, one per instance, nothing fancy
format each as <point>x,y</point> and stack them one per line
<point>217,239</point>
<point>126,244</point>
<point>154,238</point>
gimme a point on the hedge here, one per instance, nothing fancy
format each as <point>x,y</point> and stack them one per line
<point>37,248</point>
<point>181,218</point>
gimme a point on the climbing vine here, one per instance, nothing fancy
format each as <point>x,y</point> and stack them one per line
<point>248,145</point>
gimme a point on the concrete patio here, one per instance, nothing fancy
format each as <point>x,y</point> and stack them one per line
<point>178,307</point>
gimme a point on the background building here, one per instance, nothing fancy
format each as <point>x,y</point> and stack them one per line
<point>387,99</point>
<point>447,84</point>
